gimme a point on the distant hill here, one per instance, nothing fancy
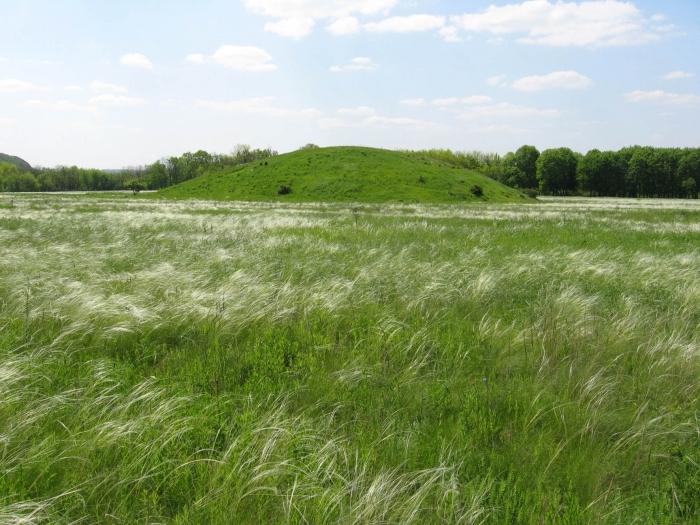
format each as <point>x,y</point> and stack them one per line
<point>345,174</point>
<point>20,163</point>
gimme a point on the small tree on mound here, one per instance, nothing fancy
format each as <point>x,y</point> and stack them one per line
<point>135,186</point>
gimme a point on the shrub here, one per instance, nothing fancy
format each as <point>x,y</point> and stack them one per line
<point>135,186</point>
<point>477,191</point>
<point>529,192</point>
<point>284,190</point>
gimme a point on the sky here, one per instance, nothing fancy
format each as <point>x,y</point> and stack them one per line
<point>106,84</point>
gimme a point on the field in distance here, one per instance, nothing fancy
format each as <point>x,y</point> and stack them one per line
<point>173,361</point>
<point>346,174</point>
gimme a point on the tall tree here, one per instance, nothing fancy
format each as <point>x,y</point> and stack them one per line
<point>556,171</point>
<point>689,170</point>
<point>525,159</point>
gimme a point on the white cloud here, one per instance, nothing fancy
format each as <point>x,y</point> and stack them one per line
<point>240,58</point>
<point>378,120</point>
<point>288,13</point>
<point>450,34</point>
<point>497,81</point>
<point>407,24</point>
<point>137,60</point>
<point>360,111</point>
<point>195,58</point>
<point>73,88</point>
<point>554,80</point>
<point>663,98</point>
<point>414,102</point>
<point>506,110</point>
<point>116,101</point>
<point>455,101</point>
<point>595,23</point>
<point>318,8</point>
<point>356,64</point>
<point>374,121</point>
<point>59,105</point>
<point>13,85</point>
<point>291,27</point>
<point>678,75</point>
<point>7,122</point>
<point>258,105</point>
<point>106,87</point>
<point>346,25</point>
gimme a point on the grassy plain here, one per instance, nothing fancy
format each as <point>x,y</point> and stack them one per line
<point>345,174</point>
<point>225,362</point>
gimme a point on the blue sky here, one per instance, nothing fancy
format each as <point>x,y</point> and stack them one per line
<point>109,84</point>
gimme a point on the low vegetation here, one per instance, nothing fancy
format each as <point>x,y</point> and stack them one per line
<point>227,362</point>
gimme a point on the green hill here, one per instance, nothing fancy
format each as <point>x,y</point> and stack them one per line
<point>345,174</point>
<point>16,161</point>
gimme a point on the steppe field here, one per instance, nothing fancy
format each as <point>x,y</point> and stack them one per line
<point>224,362</point>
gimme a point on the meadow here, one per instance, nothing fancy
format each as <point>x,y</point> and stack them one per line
<point>226,362</point>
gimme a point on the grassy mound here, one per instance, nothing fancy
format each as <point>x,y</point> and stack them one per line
<point>343,174</point>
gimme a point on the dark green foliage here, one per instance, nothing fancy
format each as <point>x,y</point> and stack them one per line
<point>689,170</point>
<point>630,172</point>
<point>525,161</point>
<point>556,171</point>
<point>284,190</point>
<point>135,186</point>
<point>690,187</point>
<point>601,173</point>
<point>477,191</point>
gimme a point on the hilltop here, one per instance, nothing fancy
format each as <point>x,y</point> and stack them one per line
<point>16,161</point>
<point>345,174</point>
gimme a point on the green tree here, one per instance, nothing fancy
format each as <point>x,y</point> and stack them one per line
<point>642,172</point>
<point>556,171</point>
<point>590,173</point>
<point>157,176</point>
<point>525,159</point>
<point>136,186</point>
<point>690,188</point>
<point>689,168</point>
<point>12,179</point>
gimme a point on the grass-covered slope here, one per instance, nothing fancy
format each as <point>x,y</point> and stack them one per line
<point>20,163</point>
<point>344,174</point>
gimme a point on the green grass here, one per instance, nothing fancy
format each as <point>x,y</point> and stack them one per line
<point>345,174</point>
<point>226,362</point>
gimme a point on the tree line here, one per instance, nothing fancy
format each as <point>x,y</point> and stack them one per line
<point>634,171</point>
<point>160,174</point>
